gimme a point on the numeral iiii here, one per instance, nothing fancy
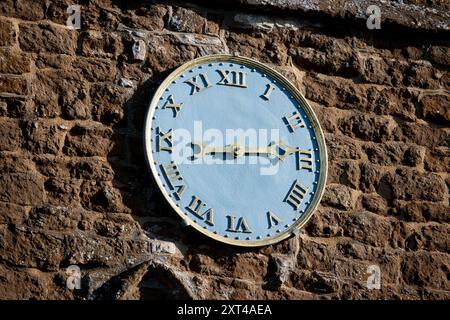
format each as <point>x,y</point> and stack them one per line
<point>173,176</point>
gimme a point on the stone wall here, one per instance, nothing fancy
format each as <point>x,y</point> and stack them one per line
<point>75,190</point>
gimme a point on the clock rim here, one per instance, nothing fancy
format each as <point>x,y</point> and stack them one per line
<point>294,229</point>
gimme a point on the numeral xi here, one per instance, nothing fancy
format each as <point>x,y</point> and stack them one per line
<point>198,83</point>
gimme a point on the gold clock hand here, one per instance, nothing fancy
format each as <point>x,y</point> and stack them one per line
<point>201,150</point>
<point>226,149</point>
<point>257,150</point>
<point>286,150</point>
<point>273,149</point>
<point>236,150</point>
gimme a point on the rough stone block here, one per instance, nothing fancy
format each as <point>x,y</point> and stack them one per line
<point>10,135</point>
<point>22,188</point>
<point>63,192</point>
<point>88,139</point>
<point>14,85</point>
<point>368,127</point>
<point>100,44</point>
<point>345,172</point>
<point>337,196</point>
<point>7,32</point>
<point>185,20</point>
<point>46,37</point>
<point>392,154</point>
<point>96,69</point>
<point>426,269</point>
<point>438,159</point>
<point>406,184</point>
<point>101,197</point>
<point>14,62</point>
<point>423,134</point>
<point>92,169</point>
<point>342,147</point>
<point>43,137</point>
<point>435,108</point>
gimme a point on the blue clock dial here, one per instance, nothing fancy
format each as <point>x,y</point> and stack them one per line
<point>236,150</point>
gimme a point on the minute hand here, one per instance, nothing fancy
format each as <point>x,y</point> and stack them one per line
<point>200,150</point>
<point>279,150</point>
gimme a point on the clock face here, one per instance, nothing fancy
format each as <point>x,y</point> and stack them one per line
<point>236,150</point>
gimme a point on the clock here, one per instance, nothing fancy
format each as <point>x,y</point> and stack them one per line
<point>235,150</point>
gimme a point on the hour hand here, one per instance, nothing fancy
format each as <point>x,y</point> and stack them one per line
<point>199,150</point>
<point>281,150</point>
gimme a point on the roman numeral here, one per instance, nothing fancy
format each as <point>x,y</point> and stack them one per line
<point>268,91</point>
<point>233,78</point>
<point>173,176</point>
<point>272,219</point>
<point>305,159</point>
<point>170,104</point>
<point>293,122</point>
<point>296,194</point>
<point>240,226</point>
<point>164,137</point>
<point>171,171</point>
<point>179,191</point>
<point>196,206</point>
<point>198,83</point>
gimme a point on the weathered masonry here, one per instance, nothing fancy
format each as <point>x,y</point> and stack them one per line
<point>75,190</point>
